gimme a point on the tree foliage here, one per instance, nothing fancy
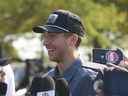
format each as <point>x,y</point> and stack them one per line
<point>98,16</point>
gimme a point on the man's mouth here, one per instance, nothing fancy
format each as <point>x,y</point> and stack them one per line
<point>51,50</point>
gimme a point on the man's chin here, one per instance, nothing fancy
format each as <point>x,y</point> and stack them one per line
<point>53,59</point>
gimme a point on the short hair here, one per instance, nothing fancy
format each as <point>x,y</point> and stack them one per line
<point>78,41</point>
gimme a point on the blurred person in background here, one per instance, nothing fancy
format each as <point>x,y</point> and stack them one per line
<point>7,77</point>
<point>32,67</point>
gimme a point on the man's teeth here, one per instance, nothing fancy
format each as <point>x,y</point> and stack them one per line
<point>50,49</point>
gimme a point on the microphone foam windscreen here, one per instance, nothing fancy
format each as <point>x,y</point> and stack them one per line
<point>41,85</point>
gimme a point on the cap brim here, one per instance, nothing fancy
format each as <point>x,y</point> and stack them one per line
<point>48,28</point>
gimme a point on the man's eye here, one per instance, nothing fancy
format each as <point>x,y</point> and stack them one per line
<point>52,35</point>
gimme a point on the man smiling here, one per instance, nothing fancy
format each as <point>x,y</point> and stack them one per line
<point>62,35</point>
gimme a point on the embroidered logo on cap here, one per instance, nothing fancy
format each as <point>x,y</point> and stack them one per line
<point>52,18</point>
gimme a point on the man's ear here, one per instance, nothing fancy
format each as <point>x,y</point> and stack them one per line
<point>73,40</point>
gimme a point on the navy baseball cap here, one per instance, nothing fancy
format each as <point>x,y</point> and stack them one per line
<point>62,21</point>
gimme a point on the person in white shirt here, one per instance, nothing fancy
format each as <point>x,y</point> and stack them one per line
<point>8,79</point>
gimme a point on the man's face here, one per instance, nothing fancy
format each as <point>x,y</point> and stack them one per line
<point>56,45</point>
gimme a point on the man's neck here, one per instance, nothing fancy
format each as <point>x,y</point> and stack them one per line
<point>67,62</point>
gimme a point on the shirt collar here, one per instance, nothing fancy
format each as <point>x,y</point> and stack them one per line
<point>71,71</point>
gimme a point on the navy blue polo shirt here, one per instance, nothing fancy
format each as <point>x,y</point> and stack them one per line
<point>80,79</point>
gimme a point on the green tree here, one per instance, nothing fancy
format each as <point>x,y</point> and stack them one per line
<point>100,17</point>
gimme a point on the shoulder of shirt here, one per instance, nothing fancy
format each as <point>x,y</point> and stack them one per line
<point>93,69</point>
<point>8,68</point>
<point>94,66</point>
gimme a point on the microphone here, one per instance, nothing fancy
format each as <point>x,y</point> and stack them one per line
<point>3,88</point>
<point>62,88</point>
<point>42,86</point>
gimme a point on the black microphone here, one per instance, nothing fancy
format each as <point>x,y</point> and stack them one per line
<point>42,86</point>
<point>62,88</point>
<point>3,88</point>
